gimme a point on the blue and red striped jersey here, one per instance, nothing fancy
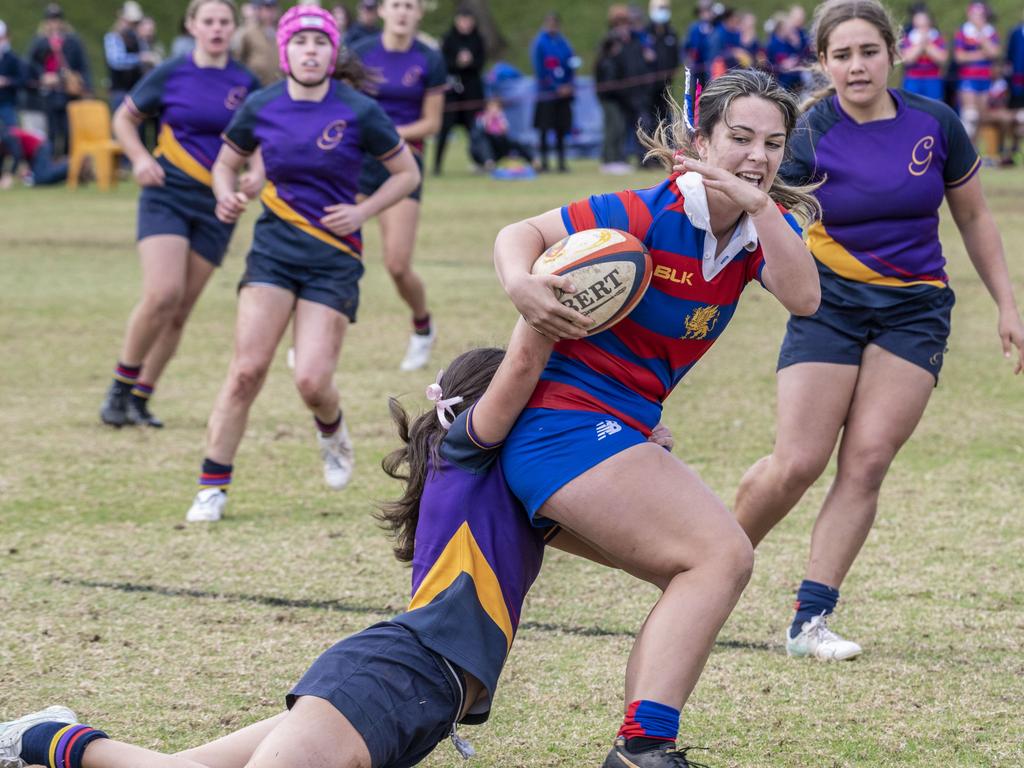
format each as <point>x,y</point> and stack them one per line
<point>629,370</point>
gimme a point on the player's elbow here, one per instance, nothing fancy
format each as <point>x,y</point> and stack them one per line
<point>806,301</point>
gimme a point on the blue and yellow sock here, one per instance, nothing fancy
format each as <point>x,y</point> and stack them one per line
<point>214,475</point>
<point>142,390</point>
<point>649,725</point>
<point>812,599</point>
<point>328,428</point>
<point>125,376</point>
<point>57,745</point>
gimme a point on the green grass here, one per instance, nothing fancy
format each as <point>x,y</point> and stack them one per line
<point>166,635</point>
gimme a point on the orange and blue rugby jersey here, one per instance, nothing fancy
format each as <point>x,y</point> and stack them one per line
<point>195,105</point>
<point>629,370</point>
<point>476,556</point>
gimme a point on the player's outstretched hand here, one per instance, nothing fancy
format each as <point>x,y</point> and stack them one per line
<point>1011,333</point>
<point>231,206</point>
<point>148,172</point>
<point>743,193</point>
<point>662,435</point>
<point>534,297</point>
<point>343,219</point>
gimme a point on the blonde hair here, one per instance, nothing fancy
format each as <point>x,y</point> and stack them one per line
<point>671,137</point>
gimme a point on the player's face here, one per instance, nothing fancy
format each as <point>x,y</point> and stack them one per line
<point>212,27</point>
<point>748,142</point>
<point>309,57</point>
<point>858,62</point>
<point>401,17</point>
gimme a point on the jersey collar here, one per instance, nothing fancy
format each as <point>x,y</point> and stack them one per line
<point>695,205</point>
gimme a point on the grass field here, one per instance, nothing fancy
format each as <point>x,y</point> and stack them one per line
<point>165,634</point>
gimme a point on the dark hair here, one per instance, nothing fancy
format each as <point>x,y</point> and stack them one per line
<point>351,69</point>
<point>467,377</point>
<point>831,14</point>
<point>672,136</point>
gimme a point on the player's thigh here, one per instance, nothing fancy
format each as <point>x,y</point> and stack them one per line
<point>314,734</point>
<point>398,225</point>
<point>648,512</point>
<point>263,315</point>
<point>196,277</point>
<point>888,403</point>
<point>318,334</point>
<point>165,263</point>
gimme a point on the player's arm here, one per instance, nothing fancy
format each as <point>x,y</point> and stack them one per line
<point>513,383</point>
<point>515,249</point>
<point>985,248</point>
<point>145,168</point>
<point>430,118</point>
<point>230,201</point>
<point>343,219</point>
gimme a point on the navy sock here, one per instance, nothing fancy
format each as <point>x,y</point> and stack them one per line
<point>125,376</point>
<point>421,325</point>
<point>66,743</point>
<point>812,599</point>
<point>214,475</point>
<point>328,428</point>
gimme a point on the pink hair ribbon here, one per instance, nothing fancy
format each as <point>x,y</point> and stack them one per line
<point>441,404</point>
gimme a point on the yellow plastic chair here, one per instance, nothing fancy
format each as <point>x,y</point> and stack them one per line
<point>89,127</point>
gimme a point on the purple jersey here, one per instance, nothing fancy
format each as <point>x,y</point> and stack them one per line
<point>878,241</point>
<point>476,556</point>
<point>194,105</point>
<point>313,151</point>
<point>405,78</point>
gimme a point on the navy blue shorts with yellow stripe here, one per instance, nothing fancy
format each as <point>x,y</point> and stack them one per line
<point>548,448</point>
<point>915,330</point>
<point>184,209</point>
<point>373,174</point>
<point>284,256</point>
<point>401,697</point>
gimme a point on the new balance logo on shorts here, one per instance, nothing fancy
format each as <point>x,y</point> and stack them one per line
<point>608,427</point>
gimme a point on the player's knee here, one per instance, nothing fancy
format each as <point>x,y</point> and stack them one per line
<point>735,555</point>
<point>399,268</point>
<point>164,302</point>
<point>246,379</point>
<point>313,387</point>
<point>798,471</point>
<point>866,466</point>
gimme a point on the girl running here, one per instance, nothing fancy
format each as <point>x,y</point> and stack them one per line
<point>408,80</point>
<point>870,357</point>
<point>385,697</point>
<point>305,260</point>
<point>180,240</point>
<point>578,456</point>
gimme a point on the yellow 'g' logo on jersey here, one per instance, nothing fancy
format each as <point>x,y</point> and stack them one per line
<point>235,97</point>
<point>412,76</point>
<point>330,137</point>
<point>701,322</point>
<point>921,156</point>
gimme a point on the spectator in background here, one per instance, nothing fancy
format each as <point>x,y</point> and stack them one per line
<point>12,80</point>
<point>726,43</point>
<point>183,44</point>
<point>59,70</point>
<point>255,45</point>
<point>553,63</point>
<point>753,53</point>
<point>153,48</point>
<point>923,52</point>
<point>123,52</point>
<point>490,139</point>
<point>367,23</point>
<point>664,41</point>
<point>464,53</point>
<point>1015,76</point>
<point>613,92</point>
<point>975,48</point>
<point>30,154</point>
<point>342,17</point>
<point>789,49</point>
<point>697,48</point>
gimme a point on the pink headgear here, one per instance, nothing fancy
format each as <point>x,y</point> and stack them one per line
<point>306,18</point>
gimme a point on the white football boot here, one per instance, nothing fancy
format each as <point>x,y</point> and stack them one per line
<point>339,457</point>
<point>417,354</point>
<point>815,639</point>
<point>11,733</point>
<point>208,506</point>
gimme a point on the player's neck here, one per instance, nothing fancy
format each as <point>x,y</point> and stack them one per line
<point>299,92</point>
<point>395,42</point>
<point>882,108</point>
<point>204,60</point>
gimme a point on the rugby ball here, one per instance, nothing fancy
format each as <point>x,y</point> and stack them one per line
<point>610,268</point>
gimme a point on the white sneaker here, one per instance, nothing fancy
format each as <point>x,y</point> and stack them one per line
<point>417,354</point>
<point>817,640</point>
<point>11,733</point>
<point>339,457</point>
<point>208,506</point>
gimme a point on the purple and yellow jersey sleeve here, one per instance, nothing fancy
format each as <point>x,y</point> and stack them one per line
<point>630,369</point>
<point>312,152</point>
<point>402,79</point>
<point>878,242</point>
<point>476,556</point>
<point>194,105</point>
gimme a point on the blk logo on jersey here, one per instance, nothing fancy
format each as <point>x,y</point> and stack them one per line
<point>331,136</point>
<point>701,322</point>
<point>680,277</point>
<point>235,97</point>
<point>607,427</point>
<point>921,156</point>
<point>412,76</point>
